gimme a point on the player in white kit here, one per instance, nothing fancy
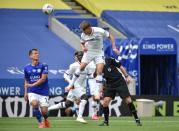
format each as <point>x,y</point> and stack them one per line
<point>92,46</point>
<point>79,91</point>
<point>94,89</point>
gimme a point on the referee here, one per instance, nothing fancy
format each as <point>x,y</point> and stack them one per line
<point>115,83</point>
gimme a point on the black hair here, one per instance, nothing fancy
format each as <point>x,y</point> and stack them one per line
<point>31,50</point>
<point>79,55</point>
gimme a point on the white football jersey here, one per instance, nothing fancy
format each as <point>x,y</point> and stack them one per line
<point>82,79</point>
<point>94,42</point>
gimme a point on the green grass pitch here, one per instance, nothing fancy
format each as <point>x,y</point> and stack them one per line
<point>69,124</point>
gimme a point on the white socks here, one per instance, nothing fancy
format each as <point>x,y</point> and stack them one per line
<point>82,107</point>
<point>99,80</point>
<point>94,107</point>
<point>57,106</point>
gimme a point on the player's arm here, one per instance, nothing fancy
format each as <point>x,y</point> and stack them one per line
<point>66,76</point>
<point>25,90</point>
<point>40,81</point>
<point>69,73</point>
<point>84,49</point>
<point>123,70</point>
<point>25,85</point>
<point>82,44</point>
<point>43,77</point>
<point>111,37</point>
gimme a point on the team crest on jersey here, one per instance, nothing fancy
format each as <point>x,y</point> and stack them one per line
<point>38,70</point>
<point>109,69</point>
<point>34,70</point>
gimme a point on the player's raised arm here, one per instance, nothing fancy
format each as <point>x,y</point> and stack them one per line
<point>111,37</point>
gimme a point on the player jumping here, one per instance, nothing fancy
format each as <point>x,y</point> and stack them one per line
<point>92,45</point>
<point>36,87</point>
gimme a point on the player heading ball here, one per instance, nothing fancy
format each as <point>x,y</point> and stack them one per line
<point>92,45</point>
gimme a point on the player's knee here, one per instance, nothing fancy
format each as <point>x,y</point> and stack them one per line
<point>35,104</point>
<point>44,111</point>
<point>84,97</point>
<point>128,100</point>
<point>106,102</point>
<point>68,103</point>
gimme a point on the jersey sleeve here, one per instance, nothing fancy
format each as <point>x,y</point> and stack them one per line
<point>45,69</point>
<point>115,62</point>
<point>67,76</point>
<point>82,39</point>
<point>105,33</point>
<point>68,73</point>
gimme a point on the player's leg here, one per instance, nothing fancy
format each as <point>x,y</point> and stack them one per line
<point>109,94</point>
<point>33,100</point>
<point>44,103</point>
<point>99,60</point>
<point>132,108</point>
<point>64,104</point>
<point>124,93</point>
<point>106,102</point>
<point>95,92</point>
<point>81,93</point>
<point>76,105</point>
<point>82,105</point>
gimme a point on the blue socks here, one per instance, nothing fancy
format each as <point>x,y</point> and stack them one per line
<point>46,115</point>
<point>37,114</point>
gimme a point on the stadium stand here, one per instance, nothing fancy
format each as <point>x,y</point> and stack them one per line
<point>32,4</point>
<point>22,30</point>
<point>97,6</point>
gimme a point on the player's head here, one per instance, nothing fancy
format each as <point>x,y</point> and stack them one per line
<point>78,55</point>
<point>85,26</point>
<point>34,54</point>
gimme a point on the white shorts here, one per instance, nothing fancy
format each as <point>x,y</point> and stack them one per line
<point>76,93</point>
<point>97,58</point>
<point>43,100</point>
<point>94,88</point>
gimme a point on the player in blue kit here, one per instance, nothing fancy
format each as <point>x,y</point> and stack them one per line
<point>36,88</point>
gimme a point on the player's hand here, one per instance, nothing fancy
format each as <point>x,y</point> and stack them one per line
<point>68,88</point>
<point>85,49</point>
<point>116,51</point>
<point>128,79</point>
<point>30,85</point>
<point>26,97</point>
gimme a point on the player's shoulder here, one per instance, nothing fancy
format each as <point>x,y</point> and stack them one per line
<point>109,59</point>
<point>82,34</point>
<point>98,29</point>
<point>44,64</point>
<point>74,65</point>
<point>27,66</point>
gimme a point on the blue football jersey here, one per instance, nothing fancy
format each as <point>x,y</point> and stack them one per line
<point>33,74</point>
